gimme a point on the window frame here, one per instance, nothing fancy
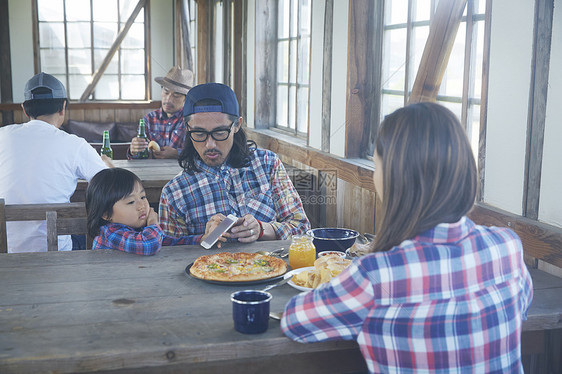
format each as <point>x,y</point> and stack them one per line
<point>297,37</point>
<point>119,74</point>
<point>469,98</point>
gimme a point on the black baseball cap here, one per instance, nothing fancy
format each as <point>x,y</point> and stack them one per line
<point>214,91</point>
<point>47,81</point>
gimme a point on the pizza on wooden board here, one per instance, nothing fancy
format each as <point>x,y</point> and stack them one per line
<point>237,267</point>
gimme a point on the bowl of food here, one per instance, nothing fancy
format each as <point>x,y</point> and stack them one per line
<point>333,239</point>
<point>336,253</point>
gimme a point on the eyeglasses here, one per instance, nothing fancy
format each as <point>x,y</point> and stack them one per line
<point>219,135</point>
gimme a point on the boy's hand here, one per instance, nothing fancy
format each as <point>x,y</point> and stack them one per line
<point>152,217</point>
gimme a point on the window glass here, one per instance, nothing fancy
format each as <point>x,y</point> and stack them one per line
<point>394,59</point>
<point>52,60</point>
<point>76,85</point>
<point>77,10</point>
<point>51,35</point>
<point>302,115</point>
<point>108,87</point>
<point>79,35</point>
<point>422,10</point>
<point>105,10</point>
<point>80,61</point>
<point>396,11</point>
<point>130,59</point>
<point>282,106</point>
<point>105,34</point>
<point>50,10</point>
<point>133,87</point>
<point>282,61</point>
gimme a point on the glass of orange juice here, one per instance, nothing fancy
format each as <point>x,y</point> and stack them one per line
<point>302,252</point>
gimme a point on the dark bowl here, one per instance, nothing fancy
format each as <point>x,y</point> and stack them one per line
<point>333,239</point>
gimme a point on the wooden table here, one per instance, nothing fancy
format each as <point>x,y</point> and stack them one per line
<point>154,174</point>
<point>109,311</point>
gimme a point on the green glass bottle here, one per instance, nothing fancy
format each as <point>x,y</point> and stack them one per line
<point>142,134</point>
<point>106,146</point>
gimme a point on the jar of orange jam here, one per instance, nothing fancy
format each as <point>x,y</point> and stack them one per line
<point>302,252</point>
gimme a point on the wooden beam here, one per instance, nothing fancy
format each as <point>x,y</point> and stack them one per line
<point>484,102</point>
<point>359,76</point>
<point>227,43</point>
<point>98,74</point>
<point>544,11</point>
<point>540,240</point>
<point>327,75</point>
<point>6,95</point>
<point>240,51</point>
<point>148,53</point>
<point>203,47</point>
<point>437,50</point>
<point>266,57</point>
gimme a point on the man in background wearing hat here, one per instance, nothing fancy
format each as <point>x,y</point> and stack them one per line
<point>166,126</point>
<point>224,173</point>
<point>42,164</point>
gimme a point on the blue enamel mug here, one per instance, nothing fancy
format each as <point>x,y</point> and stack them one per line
<point>250,311</point>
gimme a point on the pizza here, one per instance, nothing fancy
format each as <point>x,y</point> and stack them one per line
<point>237,267</point>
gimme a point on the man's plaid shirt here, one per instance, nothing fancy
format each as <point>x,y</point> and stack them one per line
<point>262,189</point>
<point>164,130</point>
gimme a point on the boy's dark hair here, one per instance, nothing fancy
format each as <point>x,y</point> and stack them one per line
<point>105,189</point>
<point>240,155</point>
<point>41,107</point>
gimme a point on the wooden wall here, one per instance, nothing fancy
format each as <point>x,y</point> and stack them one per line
<point>90,112</point>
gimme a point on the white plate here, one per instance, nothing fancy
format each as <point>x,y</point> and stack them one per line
<point>296,271</point>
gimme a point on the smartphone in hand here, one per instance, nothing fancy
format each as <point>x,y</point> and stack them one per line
<point>223,227</point>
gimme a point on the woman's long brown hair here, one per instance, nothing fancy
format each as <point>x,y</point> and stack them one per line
<point>429,173</point>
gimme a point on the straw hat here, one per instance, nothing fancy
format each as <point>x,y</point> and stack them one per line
<point>177,80</point>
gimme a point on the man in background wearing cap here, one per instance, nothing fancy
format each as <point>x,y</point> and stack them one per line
<point>166,126</point>
<point>40,163</point>
<point>224,173</point>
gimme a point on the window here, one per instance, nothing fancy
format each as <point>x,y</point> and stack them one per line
<point>76,35</point>
<point>293,56</point>
<point>406,28</point>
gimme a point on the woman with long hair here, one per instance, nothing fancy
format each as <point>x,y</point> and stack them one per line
<point>438,293</point>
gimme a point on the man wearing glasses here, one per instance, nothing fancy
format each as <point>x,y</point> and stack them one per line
<point>224,173</point>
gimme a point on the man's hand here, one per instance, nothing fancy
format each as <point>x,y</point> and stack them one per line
<point>214,221</point>
<point>138,145</point>
<point>107,161</point>
<point>164,152</point>
<point>247,229</point>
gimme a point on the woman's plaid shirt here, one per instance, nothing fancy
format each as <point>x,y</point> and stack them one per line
<point>450,300</point>
<point>263,189</point>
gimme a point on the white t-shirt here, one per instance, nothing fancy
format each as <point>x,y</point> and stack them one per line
<point>41,164</point>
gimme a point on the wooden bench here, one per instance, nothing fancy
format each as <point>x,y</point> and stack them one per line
<point>62,219</point>
<point>541,340</point>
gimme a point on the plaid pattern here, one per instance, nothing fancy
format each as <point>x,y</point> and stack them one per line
<point>146,242</point>
<point>164,130</point>
<point>450,300</point>
<point>262,189</point>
